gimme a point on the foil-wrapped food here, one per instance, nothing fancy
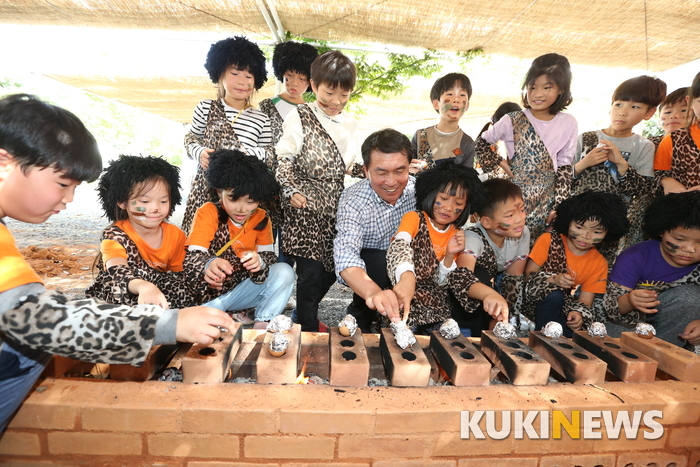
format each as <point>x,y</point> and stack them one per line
<point>280,323</point>
<point>347,326</point>
<point>402,334</point>
<point>553,330</point>
<point>278,344</point>
<point>598,330</point>
<point>504,331</point>
<point>450,329</point>
<point>645,330</point>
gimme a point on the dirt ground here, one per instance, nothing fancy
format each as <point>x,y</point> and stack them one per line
<point>64,268</point>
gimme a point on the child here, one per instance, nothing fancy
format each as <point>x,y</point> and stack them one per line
<point>616,160</point>
<point>673,113</point>
<point>450,97</point>
<point>141,253</point>
<point>498,243</point>
<point>657,281</point>
<point>561,261</point>
<point>677,161</point>
<point>425,260</point>
<point>540,140</point>
<point>45,152</point>
<point>502,110</point>
<point>230,255</point>
<point>318,146</point>
<point>237,67</point>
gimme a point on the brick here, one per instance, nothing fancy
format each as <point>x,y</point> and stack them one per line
<point>461,360</point>
<point>16,463</point>
<point>416,422</point>
<point>579,460</point>
<point>227,420</point>
<point>420,463</point>
<point>673,360</point>
<point>376,365</point>
<point>58,366</point>
<point>212,363</point>
<point>244,361</point>
<point>374,447</point>
<point>315,354</point>
<point>94,443</point>
<point>694,459</point>
<point>685,437</point>
<point>516,360</point>
<point>565,444</point>
<point>349,363</point>
<point>227,464</point>
<point>289,447</point>
<point>624,444</point>
<point>624,362</point>
<point>451,444</point>
<point>334,464</point>
<point>651,459</point>
<point>23,444</point>
<point>323,421</point>
<point>279,370</point>
<point>130,419</point>
<point>499,462</point>
<point>45,416</point>
<point>573,362</point>
<point>190,445</point>
<point>158,357</point>
<point>404,367</point>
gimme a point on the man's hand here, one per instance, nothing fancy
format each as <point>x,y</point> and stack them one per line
<point>386,303</point>
<point>405,290</point>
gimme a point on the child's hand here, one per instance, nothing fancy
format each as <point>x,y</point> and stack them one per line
<point>615,156</point>
<point>251,261</point>
<point>216,272</point>
<point>298,201</point>
<point>456,243</point>
<point>204,158</point>
<point>148,293</point>
<point>574,320</point>
<point>596,156</point>
<point>197,324</point>
<point>691,333</point>
<point>506,168</point>
<point>496,306</point>
<point>417,166</point>
<point>564,281</point>
<point>644,300</point>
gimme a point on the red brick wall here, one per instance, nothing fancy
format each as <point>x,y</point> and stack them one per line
<point>102,423</point>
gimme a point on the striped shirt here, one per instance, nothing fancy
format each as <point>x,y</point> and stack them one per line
<point>252,127</point>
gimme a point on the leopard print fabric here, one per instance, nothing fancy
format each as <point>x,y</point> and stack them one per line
<point>218,134</point>
<point>537,288</point>
<point>424,151</point>
<point>318,172</point>
<point>274,208</point>
<point>196,262</point>
<point>512,288</point>
<point>276,120</point>
<point>87,329</point>
<point>685,158</point>
<point>112,284</point>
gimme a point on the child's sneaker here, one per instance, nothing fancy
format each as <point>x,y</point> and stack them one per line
<point>242,318</point>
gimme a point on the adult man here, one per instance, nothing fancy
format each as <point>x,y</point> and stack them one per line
<point>369,212</point>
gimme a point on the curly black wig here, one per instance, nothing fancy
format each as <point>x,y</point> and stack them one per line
<point>672,211</point>
<point>244,174</point>
<point>448,175</point>
<point>294,56</point>
<point>238,51</point>
<point>129,176</point>
<point>606,208</point>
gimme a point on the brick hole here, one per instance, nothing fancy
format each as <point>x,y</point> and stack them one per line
<point>564,345</point>
<point>206,351</point>
<point>672,464</point>
<point>630,465</point>
<point>614,346</point>
<point>524,355</point>
<point>652,464</point>
<point>580,355</point>
<point>667,346</point>
<point>408,356</point>
<point>631,355</point>
<point>347,343</point>
<point>458,345</point>
<point>349,355</point>
<point>466,356</point>
<point>513,345</point>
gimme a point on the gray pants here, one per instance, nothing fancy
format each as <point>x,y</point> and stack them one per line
<point>679,306</point>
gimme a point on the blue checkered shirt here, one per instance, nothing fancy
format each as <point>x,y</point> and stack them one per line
<point>366,221</point>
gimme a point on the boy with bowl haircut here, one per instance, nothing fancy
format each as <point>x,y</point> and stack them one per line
<point>673,113</point>
<point>45,152</point>
<point>450,97</point>
<point>498,243</point>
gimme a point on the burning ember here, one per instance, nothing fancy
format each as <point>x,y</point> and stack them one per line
<point>301,379</point>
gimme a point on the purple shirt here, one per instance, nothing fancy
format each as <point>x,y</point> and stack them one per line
<point>559,135</point>
<point>642,263</point>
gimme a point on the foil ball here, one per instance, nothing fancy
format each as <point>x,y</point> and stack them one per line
<point>280,323</point>
<point>347,326</point>
<point>404,338</point>
<point>645,330</point>
<point>395,326</point>
<point>597,330</point>
<point>278,344</point>
<point>450,329</point>
<point>553,330</point>
<point>504,331</point>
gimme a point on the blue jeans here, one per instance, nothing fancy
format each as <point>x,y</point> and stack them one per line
<point>19,369</point>
<point>268,298</point>
<point>549,309</point>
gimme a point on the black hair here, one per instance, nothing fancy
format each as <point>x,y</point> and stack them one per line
<point>693,93</point>
<point>334,69</point>
<point>387,141</point>
<point>557,68</point>
<point>39,134</point>
<point>503,109</point>
<point>443,84</point>
<point>498,191</point>
<point>453,176</point>
<point>644,89</point>
<point>231,169</point>
<point>673,98</point>
<point>672,211</point>
<point>121,179</point>
<point>293,56</point>
<point>239,52</point>
<point>606,208</point>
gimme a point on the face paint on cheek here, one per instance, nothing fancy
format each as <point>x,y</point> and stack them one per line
<point>671,247</point>
<point>573,235</point>
<point>598,240</point>
<point>438,203</point>
<point>458,211</point>
<point>133,203</point>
